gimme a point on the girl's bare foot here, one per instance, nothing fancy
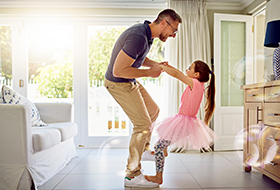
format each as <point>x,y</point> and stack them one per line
<point>155,179</point>
<point>165,152</point>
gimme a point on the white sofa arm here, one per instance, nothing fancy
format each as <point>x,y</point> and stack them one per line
<point>55,112</point>
<point>16,148</point>
<point>15,135</point>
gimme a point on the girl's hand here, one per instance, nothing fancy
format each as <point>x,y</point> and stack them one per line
<point>165,63</point>
<point>161,64</point>
<point>164,67</point>
<point>170,66</point>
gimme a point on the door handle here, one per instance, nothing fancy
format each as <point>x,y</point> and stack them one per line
<point>258,109</point>
<point>21,83</point>
<point>251,95</point>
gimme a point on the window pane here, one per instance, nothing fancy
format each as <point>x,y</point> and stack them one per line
<point>50,61</point>
<point>106,117</point>
<point>232,62</point>
<point>155,86</point>
<point>5,55</point>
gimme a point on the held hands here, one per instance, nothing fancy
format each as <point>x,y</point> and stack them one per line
<point>165,67</point>
<point>162,65</point>
<point>171,70</point>
<point>157,69</point>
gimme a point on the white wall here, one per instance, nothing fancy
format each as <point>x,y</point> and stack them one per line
<point>259,30</point>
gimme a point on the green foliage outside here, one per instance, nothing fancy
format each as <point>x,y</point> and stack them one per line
<point>56,80</point>
<point>157,54</point>
<point>157,51</point>
<point>100,49</point>
<point>6,52</point>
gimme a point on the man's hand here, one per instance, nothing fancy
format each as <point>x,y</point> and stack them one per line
<point>155,71</point>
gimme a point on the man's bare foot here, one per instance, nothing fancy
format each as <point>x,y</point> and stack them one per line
<point>154,179</point>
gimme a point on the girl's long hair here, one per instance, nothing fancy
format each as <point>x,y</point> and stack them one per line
<point>204,72</point>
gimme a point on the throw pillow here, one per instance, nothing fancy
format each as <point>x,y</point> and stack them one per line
<point>12,97</point>
<point>1,99</point>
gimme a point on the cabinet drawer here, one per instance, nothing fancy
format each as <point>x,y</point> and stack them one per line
<point>272,94</point>
<point>272,161</point>
<point>271,113</point>
<point>254,95</point>
<point>270,136</point>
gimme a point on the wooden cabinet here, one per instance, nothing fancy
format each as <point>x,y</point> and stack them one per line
<point>262,128</point>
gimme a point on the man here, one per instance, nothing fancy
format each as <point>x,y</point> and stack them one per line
<point>129,53</point>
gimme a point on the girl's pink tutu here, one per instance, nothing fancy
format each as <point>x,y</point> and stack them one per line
<point>186,131</point>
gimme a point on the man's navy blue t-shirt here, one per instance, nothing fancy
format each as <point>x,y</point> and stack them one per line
<point>135,42</point>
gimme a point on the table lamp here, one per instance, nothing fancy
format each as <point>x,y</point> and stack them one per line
<point>272,39</point>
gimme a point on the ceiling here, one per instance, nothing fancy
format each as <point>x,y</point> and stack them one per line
<point>238,3</point>
<point>211,4</point>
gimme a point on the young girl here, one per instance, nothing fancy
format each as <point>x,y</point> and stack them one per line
<point>185,128</point>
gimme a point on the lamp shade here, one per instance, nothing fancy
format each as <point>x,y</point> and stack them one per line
<point>272,35</point>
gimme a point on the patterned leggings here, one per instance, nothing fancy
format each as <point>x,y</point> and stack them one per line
<point>159,147</point>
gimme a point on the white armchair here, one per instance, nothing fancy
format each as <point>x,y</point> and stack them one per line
<point>29,156</point>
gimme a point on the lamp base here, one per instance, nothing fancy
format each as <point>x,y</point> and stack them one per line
<point>276,63</point>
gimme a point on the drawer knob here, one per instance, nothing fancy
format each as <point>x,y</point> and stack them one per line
<point>272,139</point>
<point>251,95</point>
<point>273,163</point>
<point>273,114</point>
<point>273,94</point>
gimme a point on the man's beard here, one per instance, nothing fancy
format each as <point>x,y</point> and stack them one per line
<point>162,38</point>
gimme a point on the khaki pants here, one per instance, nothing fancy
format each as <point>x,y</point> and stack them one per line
<point>142,112</point>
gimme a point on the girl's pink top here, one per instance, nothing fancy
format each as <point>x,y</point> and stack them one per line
<point>191,99</point>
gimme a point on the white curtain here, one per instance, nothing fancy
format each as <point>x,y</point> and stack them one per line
<point>191,43</point>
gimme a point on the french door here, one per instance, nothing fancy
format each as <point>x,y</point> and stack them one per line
<point>233,66</point>
<point>106,124</point>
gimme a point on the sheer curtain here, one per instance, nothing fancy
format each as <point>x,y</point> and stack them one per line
<point>191,43</point>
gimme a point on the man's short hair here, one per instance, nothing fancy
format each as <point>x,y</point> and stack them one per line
<point>168,13</point>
